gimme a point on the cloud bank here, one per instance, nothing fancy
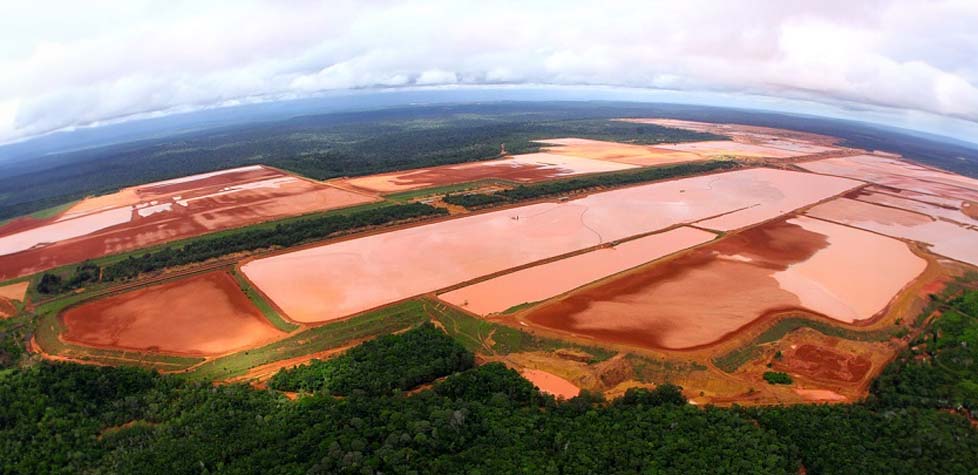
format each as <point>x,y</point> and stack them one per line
<point>68,64</point>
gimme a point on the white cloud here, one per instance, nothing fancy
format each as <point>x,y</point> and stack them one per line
<point>66,63</point>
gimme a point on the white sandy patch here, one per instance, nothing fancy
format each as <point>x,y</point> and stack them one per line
<point>62,230</point>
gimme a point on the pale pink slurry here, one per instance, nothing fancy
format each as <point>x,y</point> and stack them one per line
<point>821,395</point>
<point>62,230</point>
<point>335,280</point>
<point>947,239</point>
<point>898,174</point>
<point>936,211</point>
<point>551,383</point>
<point>875,268</point>
<point>547,280</point>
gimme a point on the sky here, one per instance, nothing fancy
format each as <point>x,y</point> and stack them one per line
<point>68,64</point>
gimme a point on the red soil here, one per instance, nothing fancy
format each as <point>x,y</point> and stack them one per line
<point>708,294</point>
<point>205,315</point>
<point>10,293</point>
<point>7,308</point>
<point>160,212</point>
<point>826,364</point>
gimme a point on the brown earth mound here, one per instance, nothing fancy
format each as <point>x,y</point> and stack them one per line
<point>826,364</point>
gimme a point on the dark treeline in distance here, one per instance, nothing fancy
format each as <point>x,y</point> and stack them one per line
<point>557,187</point>
<point>281,235</point>
<point>326,146</point>
<point>354,143</point>
<point>66,419</point>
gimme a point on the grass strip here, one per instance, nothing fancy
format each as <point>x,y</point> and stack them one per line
<point>266,308</point>
<point>483,336</point>
<point>314,340</point>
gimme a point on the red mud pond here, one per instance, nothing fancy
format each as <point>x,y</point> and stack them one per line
<point>158,212</point>
<point>335,280</point>
<point>204,315</point>
<point>709,293</point>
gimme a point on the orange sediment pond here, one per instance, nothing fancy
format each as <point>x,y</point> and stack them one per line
<point>9,294</point>
<point>547,280</point>
<point>711,292</point>
<point>14,291</point>
<point>551,383</point>
<point>202,315</point>
<point>335,280</point>
<point>946,239</point>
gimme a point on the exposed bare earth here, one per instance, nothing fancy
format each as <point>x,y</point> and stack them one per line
<point>203,315</point>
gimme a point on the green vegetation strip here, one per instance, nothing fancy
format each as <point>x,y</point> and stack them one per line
<point>394,363</point>
<point>482,336</point>
<point>736,358</point>
<point>557,187</point>
<point>314,340</point>
<point>266,308</point>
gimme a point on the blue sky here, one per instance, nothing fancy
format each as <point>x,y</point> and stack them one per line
<point>66,64</point>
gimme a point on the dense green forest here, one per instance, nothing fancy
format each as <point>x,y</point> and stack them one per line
<point>281,235</point>
<point>395,362</point>
<point>327,146</point>
<point>557,187</point>
<point>65,418</point>
<point>940,368</point>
